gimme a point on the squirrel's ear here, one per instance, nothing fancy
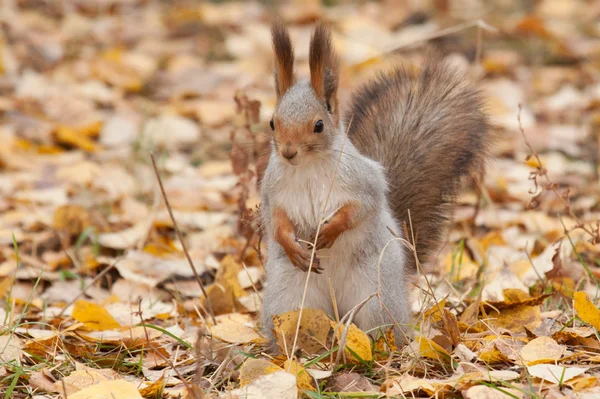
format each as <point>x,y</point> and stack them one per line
<point>284,58</point>
<point>324,66</point>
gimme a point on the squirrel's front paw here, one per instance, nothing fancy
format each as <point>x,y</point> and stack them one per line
<point>300,257</point>
<point>328,233</point>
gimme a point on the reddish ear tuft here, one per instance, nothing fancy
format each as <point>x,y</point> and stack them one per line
<point>324,64</point>
<point>284,58</point>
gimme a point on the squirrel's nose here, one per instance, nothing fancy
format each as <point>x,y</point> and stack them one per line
<point>289,154</point>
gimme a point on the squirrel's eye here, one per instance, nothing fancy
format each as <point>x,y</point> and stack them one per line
<point>319,126</point>
<point>272,125</point>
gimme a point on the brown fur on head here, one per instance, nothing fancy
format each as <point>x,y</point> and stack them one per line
<point>324,67</point>
<point>306,116</point>
<point>284,58</point>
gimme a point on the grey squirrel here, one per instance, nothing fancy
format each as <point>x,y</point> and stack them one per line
<point>412,137</point>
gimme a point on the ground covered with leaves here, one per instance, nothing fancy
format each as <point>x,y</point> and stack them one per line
<point>98,298</point>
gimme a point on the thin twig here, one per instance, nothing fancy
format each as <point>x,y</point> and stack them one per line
<point>156,352</point>
<point>185,251</point>
<point>542,171</point>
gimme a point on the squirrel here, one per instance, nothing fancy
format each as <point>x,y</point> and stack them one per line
<point>403,147</point>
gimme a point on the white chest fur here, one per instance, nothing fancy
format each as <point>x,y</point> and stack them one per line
<point>309,194</point>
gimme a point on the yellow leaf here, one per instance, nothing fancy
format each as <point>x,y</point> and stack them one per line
<point>66,135</point>
<point>431,350</point>
<point>434,311</point>
<point>73,219</point>
<point>385,344</point>
<point>93,316</point>
<point>582,382</point>
<point>357,341</point>
<point>493,356</point>
<point>228,275</point>
<point>154,389</point>
<point>586,310</point>
<point>304,380</point>
<point>1,57</point>
<point>5,284</point>
<point>533,162</point>
<point>109,390</point>
<point>313,332</point>
<point>516,318</point>
<point>254,368</point>
<point>78,380</point>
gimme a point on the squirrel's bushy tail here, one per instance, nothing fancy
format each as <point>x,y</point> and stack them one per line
<point>429,131</point>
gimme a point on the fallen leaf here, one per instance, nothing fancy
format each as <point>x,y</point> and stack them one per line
<point>555,373</point>
<point>431,350</point>
<point>485,392</point>
<point>67,135</point>
<point>312,334</point>
<point>351,382</point>
<point>93,316</point>
<point>236,333</point>
<point>586,310</point>
<point>10,346</point>
<point>78,380</point>
<point>278,384</point>
<point>304,380</point>
<point>109,390</point>
<point>358,344</point>
<point>542,350</point>
<point>153,389</point>
<point>252,369</point>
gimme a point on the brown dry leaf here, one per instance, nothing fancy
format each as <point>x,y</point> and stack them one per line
<point>277,384</point>
<point>358,343</point>
<point>124,239</point>
<point>485,392</point>
<point>516,318</point>
<point>234,332</point>
<point>111,69</point>
<point>78,380</point>
<point>252,369</point>
<point>72,219</point>
<point>555,373</point>
<point>94,317</point>
<point>312,334</point>
<point>586,310</point>
<point>109,390</point>
<point>406,384</point>
<point>351,382</point>
<point>221,299</point>
<point>42,381</point>
<point>227,275</point>
<point>542,350</point>
<point>11,348</point>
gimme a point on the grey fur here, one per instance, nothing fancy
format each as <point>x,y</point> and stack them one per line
<point>419,133</point>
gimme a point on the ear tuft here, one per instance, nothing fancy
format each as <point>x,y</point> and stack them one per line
<point>284,58</point>
<point>324,64</point>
